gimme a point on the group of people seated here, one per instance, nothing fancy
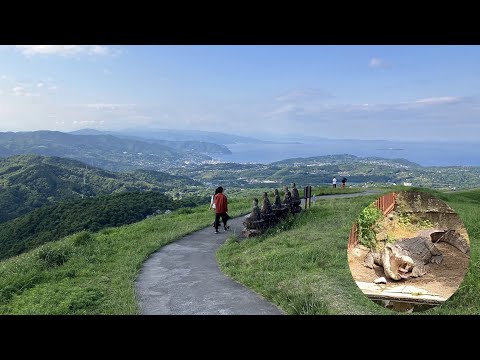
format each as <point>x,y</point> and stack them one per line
<point>268,214</point>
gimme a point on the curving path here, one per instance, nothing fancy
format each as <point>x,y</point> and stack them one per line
<point>183,278</point>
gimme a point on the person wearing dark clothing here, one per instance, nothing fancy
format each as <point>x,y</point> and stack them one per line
<point>221,209</point>
<point>344,180</point>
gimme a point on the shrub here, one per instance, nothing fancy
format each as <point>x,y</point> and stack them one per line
<point>53,257</point>
<point>367,225</point>
<point>82,238</point>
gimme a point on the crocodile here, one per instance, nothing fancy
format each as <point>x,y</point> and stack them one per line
<point>407,257</point>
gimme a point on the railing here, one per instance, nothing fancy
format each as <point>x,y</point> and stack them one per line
<point>385,204</point>
<point>353,239</point>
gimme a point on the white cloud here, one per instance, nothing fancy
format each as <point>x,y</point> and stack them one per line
<point>40,84</point>
<point>284,109</point>
<point>53,87</point>
<point>109,107</point>
<point>141,117</point>
<point>87,122</point>
<point>304,94</point>
<point>377,63</point>
<point>439,100</point>
<point>18,91</point>
<point>63,50</point>
<point>1,92</point>
<point>4,77</point>
<point>22,90</point>
<point>107,72</point>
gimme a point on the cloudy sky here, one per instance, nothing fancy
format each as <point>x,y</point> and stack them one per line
<point>361,92</point>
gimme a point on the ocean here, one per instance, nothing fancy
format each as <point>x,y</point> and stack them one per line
<point>422,153</point>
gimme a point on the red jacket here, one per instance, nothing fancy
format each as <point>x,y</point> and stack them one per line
<point>220,201</point>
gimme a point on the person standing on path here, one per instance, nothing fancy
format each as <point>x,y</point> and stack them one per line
<point>221,209</point>
<point>212,203</point>
<point>334,182</point>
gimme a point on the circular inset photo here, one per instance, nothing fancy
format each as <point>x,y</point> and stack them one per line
<point>408,251</point>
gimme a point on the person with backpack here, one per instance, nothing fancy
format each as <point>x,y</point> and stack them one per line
<point>221,209</point>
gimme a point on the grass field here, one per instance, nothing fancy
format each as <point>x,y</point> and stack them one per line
<point>94,273</point>
<point>303,267</point>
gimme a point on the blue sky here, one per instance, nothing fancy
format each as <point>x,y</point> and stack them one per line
<point>363,92</point>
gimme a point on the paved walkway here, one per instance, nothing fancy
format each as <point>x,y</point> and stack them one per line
<point>184,278</point>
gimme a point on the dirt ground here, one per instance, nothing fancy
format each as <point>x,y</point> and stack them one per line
<point>443,279</point>
<point>416,214</point>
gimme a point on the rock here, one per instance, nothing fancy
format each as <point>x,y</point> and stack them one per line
<point>380,280</point>
<point>357,252</point>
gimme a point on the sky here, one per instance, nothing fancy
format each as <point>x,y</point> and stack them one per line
<point>357,92</point>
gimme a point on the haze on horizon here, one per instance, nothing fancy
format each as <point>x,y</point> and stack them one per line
<point>347,92</point>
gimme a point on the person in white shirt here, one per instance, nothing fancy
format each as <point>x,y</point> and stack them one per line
<point>334,182</point>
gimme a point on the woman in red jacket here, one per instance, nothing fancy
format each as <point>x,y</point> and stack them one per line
<point>221,209</point>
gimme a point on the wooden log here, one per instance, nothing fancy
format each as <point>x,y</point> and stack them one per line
<point>402,292</point>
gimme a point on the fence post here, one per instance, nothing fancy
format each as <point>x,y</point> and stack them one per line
<point>307,194</point>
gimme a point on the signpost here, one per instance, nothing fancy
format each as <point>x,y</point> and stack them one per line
<point>308,195</point>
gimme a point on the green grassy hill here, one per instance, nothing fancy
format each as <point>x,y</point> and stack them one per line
<point>54,222</point>
<point>301,266</point>
<point>28,182</point>
<point>304,269</point>
<point>93,273</point>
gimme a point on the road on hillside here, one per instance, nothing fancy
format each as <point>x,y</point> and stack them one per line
<point>183,278</point>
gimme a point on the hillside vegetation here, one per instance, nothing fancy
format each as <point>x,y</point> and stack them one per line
<point>54,222</point>
<point>369,171</point>
<point>304,268</point>
<point>94,273</point>
<point>301,266</point>
<point>28,182</point>
<point>105,151</point>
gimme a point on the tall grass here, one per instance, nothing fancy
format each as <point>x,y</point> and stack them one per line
<point>304,268</point>
<point>301,266</point>
<point>94,273</point>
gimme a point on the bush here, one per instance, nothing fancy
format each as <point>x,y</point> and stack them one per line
<point>367,225</point>
<point>82,238</point>
<point>184,211</point>
<point>53,257</point>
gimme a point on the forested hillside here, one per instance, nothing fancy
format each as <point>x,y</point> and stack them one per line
<point>105,151</point>
<point>53,222</point>
<point>28,182</point>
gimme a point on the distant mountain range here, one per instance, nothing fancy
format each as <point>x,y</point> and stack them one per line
<point>175,135</point>
<point>108,151</point>
<point>345,159</point>
<point>28,182</point>
<point>319,170</point>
